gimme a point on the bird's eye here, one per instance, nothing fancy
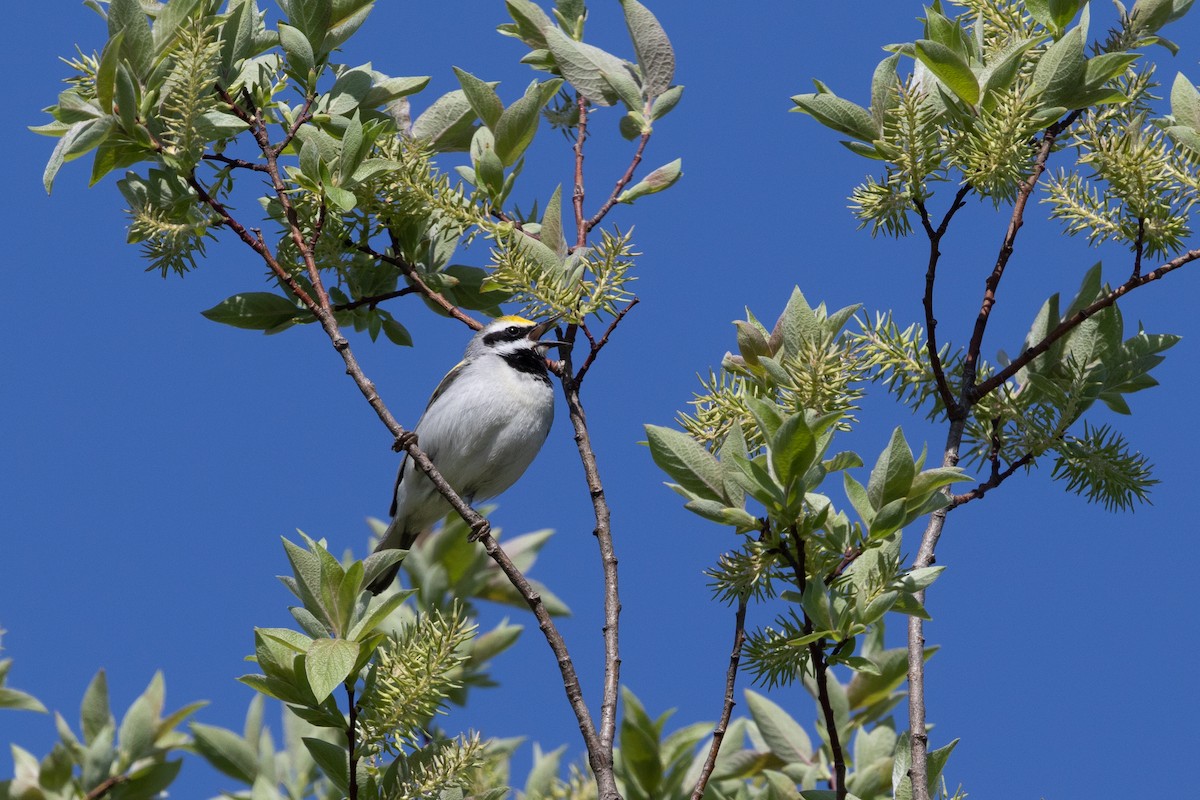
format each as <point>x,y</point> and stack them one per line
<point>513,330</point>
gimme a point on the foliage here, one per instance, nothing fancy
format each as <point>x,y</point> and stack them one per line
<point>202,103</point>
<point>132,759</point>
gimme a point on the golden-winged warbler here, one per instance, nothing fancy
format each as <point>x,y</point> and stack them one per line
<point>483,426</point>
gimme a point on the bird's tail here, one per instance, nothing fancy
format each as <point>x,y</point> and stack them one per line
<point>396,538</point>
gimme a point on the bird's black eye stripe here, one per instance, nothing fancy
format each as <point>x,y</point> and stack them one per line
<point>510,334</point>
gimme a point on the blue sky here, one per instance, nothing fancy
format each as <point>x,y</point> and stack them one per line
<point>152,459</point>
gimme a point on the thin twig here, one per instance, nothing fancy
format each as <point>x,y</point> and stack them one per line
<point>304,116</point>
<point>1016,220</point>
<point>739,638</point>
<point>1139,246</point>
<point>597,346</point>
<point>375,299</point>
<point>1073,321</point>
<point>106,786</point>
<point>602,762</point>
<point>407,441</point>
<point>352,741</point>
<point>240,163</point>
<point>581,226</point>
<point>622,182</point>
<point>816,653</point>
<point>414,277</point>
<point>998,477</point>
<point>935,253</point>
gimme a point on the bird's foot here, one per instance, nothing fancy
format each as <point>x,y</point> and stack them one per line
<point>479,530</point>
<point>404,441</point>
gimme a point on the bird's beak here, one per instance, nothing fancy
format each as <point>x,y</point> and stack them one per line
<point>537,331</point>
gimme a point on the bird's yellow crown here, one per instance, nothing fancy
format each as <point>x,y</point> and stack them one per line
<point>514,319</point>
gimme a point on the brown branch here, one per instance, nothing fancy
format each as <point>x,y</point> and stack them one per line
<point>601,757</point>
<point>597,346</point>
<point>1139,246</point>
<point>351,741</point>
<point>971,361</point>
<point>240,163</point>
<point>739,638</point>
<point>414,277</point>
<point>621,182</point>
<point>816,653</point>
<point>1073,321</point>
<point>304,116</point>
<point>601,761</point>
<point>106,786</point>
<point>970,393</point>
<point>935,253</point>
<point>581,226</point>
<point>374,300</point>
<point>998,477</point>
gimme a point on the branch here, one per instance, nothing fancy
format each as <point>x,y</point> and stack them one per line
<point>970,362</point>
<point>410,272</point>
<point>581,226</point>
<point>621,182</point>
<point>304,116</point>
<point>235,162</point>
<point>739,638</point>
<point>597,346</point>
<point>816,652</point>
<point>1139,246</point>
<point>351,741</point>
<point>935,253</point>
<point>1073,321</point>
<point>106,786</point>
<point>601,762</point>
<point>374,300</point>
<point>997,477</point>
<point>407,441</point>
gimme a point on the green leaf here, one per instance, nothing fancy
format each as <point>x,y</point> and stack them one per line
<point>481,96</point>
<point>1055,15</point>
<point>552,224</point>
<point>918,579</point>
<point>950,68</point>
<point>662,178</point>
<point>328,663</point>
<point>257,311</point>
<point>839,114</point>
<point>137,42</point>
<point>94,713</point>
<point>299,52</point>
<point>1185,102</point>
<point>892,476</point>
<point>517,126</point>
<point>137,732</point>
<point>720,513</point>
<point>334,761</point>
<point>311,18</point>
<point>665,102</point>
<point>786,738</point>
<point>347,17</point>
<point>19,701</point>
<point>639,745</point>
<point>793,449</point>
<point>1062,69</point>
<point>106,72</point>
<point>225,750</point>
<point>655,56</point>
<point>686,461</point>
<point>584,66</point>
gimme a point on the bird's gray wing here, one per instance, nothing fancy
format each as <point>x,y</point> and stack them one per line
<point>438,392</point>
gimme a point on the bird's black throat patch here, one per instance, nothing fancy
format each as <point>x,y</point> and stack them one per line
<point>529,361</point>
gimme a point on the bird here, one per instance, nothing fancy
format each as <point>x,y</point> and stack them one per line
<point>482,428</point>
